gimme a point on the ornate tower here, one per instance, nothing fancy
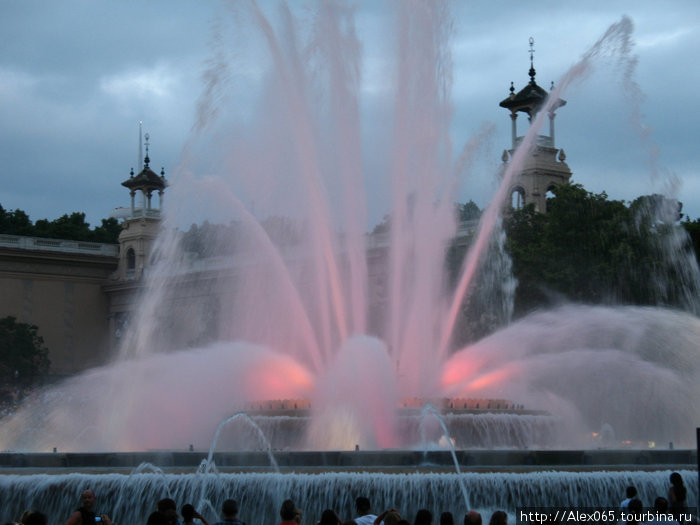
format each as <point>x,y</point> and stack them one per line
<point>544,169</point>
<point>141,223</point>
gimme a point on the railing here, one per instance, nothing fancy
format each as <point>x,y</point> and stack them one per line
<point>126,213</point>
<point>465,229</point>
<point>542,140</point>
<point>58,245</point>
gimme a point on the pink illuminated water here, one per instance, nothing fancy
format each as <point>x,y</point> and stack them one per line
<point>324,312</point>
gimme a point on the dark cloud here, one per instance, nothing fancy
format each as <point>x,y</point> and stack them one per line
<point>77,76</point>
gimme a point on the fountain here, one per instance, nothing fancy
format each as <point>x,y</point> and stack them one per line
<point>294,301</point>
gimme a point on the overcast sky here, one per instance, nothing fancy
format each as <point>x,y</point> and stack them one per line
<point>77,76</point>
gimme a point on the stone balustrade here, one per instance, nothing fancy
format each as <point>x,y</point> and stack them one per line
<point>58,245</point>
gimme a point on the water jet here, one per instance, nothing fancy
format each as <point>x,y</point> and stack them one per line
<point>351,325</point>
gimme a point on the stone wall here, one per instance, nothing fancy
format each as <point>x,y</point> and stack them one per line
<point>60,291</point>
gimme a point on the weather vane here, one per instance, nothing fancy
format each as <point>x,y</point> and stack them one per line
<point>532,55</point>
<point>146,160</point>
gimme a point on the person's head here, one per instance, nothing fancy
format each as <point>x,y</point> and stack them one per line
<point>34,517</point>
<point>498,518</point>
<point>168,508</point>
<point>362,505</point>
<point>157,518</point>
<point>288,510</point>
<point>446,518</point>
<point>229,509</point>
<point>392,518</point>
<point>166,504</point>
<point>299,514</point>
<point>423,517</point>
<point>328,517</point>
<point>472,518</point>
<point>87,498</point>
<point>635,508</point>
<point>631,492</point>
<point>661,505</point>
<point>676,479</point>
<point>187,512</point>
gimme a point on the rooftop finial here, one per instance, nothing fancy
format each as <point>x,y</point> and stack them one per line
<point>146,160</point>
<point>140,158</point>
<point>532,61</point>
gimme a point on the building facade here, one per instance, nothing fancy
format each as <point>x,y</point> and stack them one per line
<point>545,168</point>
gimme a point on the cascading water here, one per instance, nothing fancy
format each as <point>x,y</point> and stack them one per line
<point>276,301</point>
<point>132,499</point>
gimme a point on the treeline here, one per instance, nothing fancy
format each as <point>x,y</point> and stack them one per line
<point>590,249</point>
<point>72,227</point>
<point>214,240</point>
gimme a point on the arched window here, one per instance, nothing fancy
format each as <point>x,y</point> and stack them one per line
<point>131,259</point>
<point>517,198</point>
<point>549,196</point>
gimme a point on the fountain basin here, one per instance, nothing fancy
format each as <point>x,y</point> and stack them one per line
<point>389,460</point>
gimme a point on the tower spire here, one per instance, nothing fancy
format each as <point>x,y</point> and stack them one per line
<point>532,60</point>
<point>146,160</point>
<point>139,161</point>
<point>541,171</point>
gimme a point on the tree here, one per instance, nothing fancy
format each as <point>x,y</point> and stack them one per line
<point>693,229</point>
<point>590,249</point>
<point>468,211</point>
<point>108,231</point>
<point>14,222</point>
<point>24,359</point>
<point>72,227</point>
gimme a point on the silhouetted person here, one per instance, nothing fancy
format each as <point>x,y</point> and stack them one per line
<point>499,518</point>
<point>472,518</point>
<point>446,518</point>
<point>189,514</point>
<point>677,494</point>
<point>423,517</point>
<point>85,513</point>
<point>157,518</point>
<point>229,513</point>
<point>634,511</point>
<point>660,512</point>
<point>329,517</point>
<point>168,508</point>
<point>34,517</point>
<point>288,512</point>
<point>364,511</point>
<point>630,493</point>
<point>389,517</point>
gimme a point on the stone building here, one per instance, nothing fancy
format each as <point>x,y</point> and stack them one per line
<point>546,167</point>
<point>78,293</point>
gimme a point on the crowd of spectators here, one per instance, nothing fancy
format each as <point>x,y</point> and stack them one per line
<point>668,509</point>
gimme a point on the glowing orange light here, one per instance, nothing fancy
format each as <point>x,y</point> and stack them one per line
<point>490,379</point>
